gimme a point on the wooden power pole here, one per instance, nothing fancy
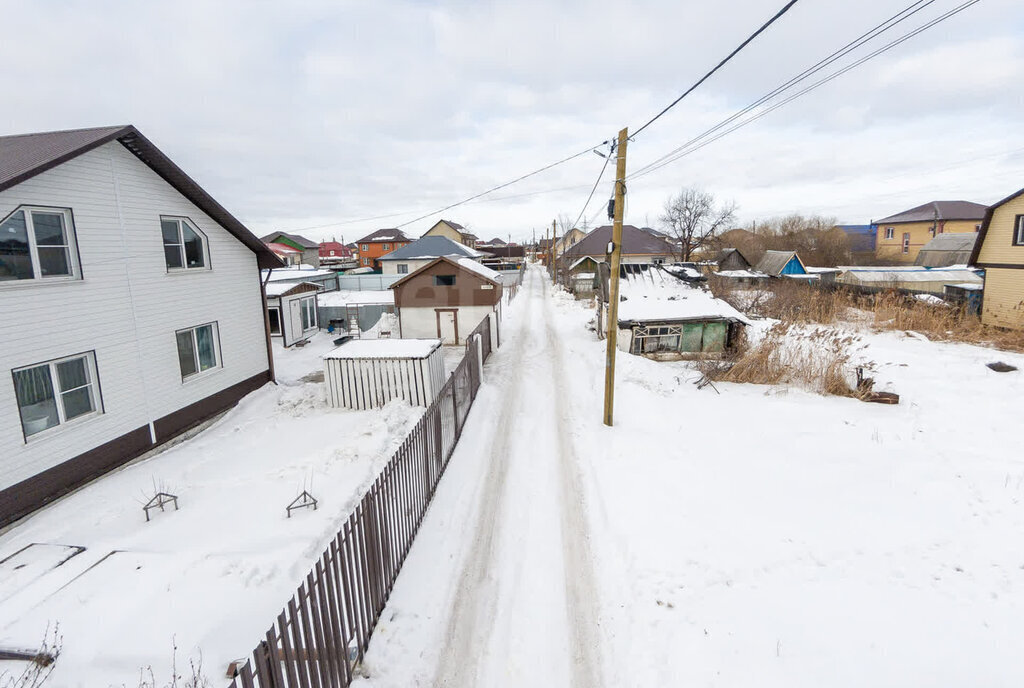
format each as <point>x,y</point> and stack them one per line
<point>613,291</point>
<point>553,235</point>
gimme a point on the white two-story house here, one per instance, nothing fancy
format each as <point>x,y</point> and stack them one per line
<point>131,308</point>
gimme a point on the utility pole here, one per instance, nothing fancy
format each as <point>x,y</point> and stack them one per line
<point>613,291</point>
<point>553,235</point>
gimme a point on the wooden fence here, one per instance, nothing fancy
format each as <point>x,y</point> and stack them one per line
<point>320,636</point>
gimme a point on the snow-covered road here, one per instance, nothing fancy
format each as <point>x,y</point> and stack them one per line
<point>508,594</point>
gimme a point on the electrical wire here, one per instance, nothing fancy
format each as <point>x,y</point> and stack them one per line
<point>867,36</point>
<point>591,196</point>
<point>721,64</point>
<point>684,150</point>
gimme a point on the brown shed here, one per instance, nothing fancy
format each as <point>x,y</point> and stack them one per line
<point>447,299</point>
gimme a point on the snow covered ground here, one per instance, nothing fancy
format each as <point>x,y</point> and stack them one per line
<point>760,536</point>
<point>211,576</point>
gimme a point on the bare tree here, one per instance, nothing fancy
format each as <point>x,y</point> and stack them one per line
<point>692,218</point>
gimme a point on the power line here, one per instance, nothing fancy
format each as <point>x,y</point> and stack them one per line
<point>684,151</point>
<point>869,35</point>
<point>501,186</point>
<point>604,167</point>
<point>721,64</point>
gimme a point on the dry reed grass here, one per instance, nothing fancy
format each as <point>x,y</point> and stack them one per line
<point>885,311</point>
<point>819,360</point>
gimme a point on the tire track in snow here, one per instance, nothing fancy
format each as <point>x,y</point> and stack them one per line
<point>476,643</point>
<point>473,613</point>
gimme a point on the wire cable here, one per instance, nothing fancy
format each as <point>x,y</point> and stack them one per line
<point>721,64</point>
<point>591,196</point>
<point>867,36</point>
<point>682,153</point>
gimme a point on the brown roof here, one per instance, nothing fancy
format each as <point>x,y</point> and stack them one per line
<point>392,234</point>
<point>24,156</point>
<point>453,225</point>
<point>505,251</point>
<point>454,263</point>
<point>938,210</point>
<point>986,222</point>
<point>634,242</point>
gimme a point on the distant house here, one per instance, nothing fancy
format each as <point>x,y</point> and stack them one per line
<point>584,273</point>
<point>638,246</point>
<point>783,264</point>
<point>447,298</point>
<point>861,240</point>
<point>1000,252</point>
<point>495,241</point>
<point>310,250</point>
<point>288,255</point>
<point>131,308</point>
<point>380,243</point>
<point>947,249</point>
<point>507,257</point>
<point>901,236</point>
<point>732,259</point>
<point>412,257</point>
<point>570,239</point>
<point>292,310</point>
<point>453,231</point>
<point>337,255</point>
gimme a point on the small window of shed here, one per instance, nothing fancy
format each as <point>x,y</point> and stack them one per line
<point>444,280</point>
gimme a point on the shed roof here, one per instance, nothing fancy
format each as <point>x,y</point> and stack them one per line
<point>431,247</point>
<point>26,155</point>
<point>465,264</point>
<point>938,210</point>
<point>947,249</point>
<point>278,289</point>
<point>298,239</point>
<point>634,242</point>
<point>726,252</point>
<point>882,275</point>
<point>385,348</point>
<point>774,262</point>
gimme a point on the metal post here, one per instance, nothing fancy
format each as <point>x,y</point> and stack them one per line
<point>613,295</point>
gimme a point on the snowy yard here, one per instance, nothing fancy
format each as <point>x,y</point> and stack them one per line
<point>211,576</point>
<point>760,536</point>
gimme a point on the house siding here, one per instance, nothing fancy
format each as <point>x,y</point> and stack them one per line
<point>998,247</point>
<point>1003,304</point>
<point>125,309</point>
<point>442,228</point>
<point>920,234</point>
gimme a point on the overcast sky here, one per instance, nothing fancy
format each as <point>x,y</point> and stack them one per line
<point>300,114</point>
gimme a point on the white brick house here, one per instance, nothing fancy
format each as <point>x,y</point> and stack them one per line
<point>131,304</point>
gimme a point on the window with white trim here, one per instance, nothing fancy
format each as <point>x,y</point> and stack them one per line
<point>184,244</point>
<point>403,269</point>
<point>198,350</point>
<point>308,309</point>
<point>274,317</point>
<point>38,243</point>
<point>1018,234</point>
<point>906,242</point>
<point>890,232</point>
<point>385,247</point>
<point>55,392</point>
<point>365,247</point>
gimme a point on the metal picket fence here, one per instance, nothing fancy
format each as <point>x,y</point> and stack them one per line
<point>320,636</point>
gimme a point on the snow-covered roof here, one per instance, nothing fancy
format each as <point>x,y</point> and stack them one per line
<point>337,299</point>
<point>656,297</point>
<point>969,286</point>
<point>385,348</point>
<point>482,270</point>
<point>297,273</point>
<point>735,274</point>
<point>584,275</point>
<point>918,275</point>
<point>275,289</point>
<point>820,271</point>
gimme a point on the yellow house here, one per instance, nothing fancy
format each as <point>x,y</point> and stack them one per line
<point>901,236</point>
<point>1000,251</point>
<point>571,238</point>
<point>454,231</point>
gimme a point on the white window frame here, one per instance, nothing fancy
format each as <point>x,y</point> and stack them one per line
<point>905,244</point>
<point>403,268</point>
<point>890,232</point>
<point>58,394</point>
<point>1018,234</point>
<point>279,328</point>
<point>385,247</point>
<point>180,219</point>
<point>218,362</point>
<point>69,235</point>
<point>310,304</point>
<point>365,247</point>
